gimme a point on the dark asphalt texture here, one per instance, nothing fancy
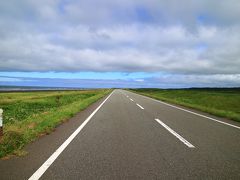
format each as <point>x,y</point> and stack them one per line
<point>123,141</point>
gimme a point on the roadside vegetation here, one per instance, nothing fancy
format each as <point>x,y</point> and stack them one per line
<point>223,102</point>
<point>28,115</point>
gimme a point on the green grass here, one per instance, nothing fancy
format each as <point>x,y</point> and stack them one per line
<point>220,102</point>
<point>28,115</point>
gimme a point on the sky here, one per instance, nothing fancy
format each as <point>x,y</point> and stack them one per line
<point>120,43</point>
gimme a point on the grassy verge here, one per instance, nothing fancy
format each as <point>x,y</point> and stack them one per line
<point>219,102</point>
<point>28,115</point>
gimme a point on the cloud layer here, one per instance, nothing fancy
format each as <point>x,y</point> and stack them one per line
<point>197,38</point>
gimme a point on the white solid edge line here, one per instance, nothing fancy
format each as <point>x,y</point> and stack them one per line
<point>131,99</point>
<point>139,106</point>
<point>192,112</point>
<point>175,134</point>
<point>54,156</point>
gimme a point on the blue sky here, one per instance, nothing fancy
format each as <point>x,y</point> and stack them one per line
<point>79,75</point>
<point>127,43</point>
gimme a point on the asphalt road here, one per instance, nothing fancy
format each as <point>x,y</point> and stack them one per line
<point>133,137</point>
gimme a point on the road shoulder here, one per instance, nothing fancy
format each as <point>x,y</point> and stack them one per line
<point>42,148</point>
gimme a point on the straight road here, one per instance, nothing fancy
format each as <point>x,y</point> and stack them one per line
<point>130,136</point>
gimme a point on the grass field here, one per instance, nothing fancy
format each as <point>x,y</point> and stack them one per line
<point>220,102</point>
<point>28,115</point>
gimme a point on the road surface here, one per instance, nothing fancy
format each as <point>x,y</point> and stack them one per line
<point>129,136</point>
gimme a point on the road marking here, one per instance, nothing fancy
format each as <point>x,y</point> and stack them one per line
<point>127,96</point>
<point>139,106</point>
<point>175,134</point>
<point>54,156</point>
<point>131,99</point>
<point>191,112</point>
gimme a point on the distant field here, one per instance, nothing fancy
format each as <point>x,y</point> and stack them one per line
<point>220,102</point>
<point>28,115</point>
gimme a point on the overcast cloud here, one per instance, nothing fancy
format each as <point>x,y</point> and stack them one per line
<point>194,43</point>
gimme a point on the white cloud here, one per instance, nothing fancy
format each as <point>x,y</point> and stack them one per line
<point>136,48</point>
<point>9,79</point>
<point>176,81</point>
<point>193,38</point>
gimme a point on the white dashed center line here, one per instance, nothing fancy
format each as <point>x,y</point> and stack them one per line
<point>140,106</point>
<point>175,134</point>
